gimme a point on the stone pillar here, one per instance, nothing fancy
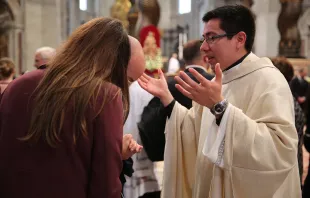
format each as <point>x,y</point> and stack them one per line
<point>267,34</point>
<point>304,29</point>
<point>165,21</point>
<point>204,7</point>
<point>42,27</point>
<point>16,35</point>
<point>106,7</point>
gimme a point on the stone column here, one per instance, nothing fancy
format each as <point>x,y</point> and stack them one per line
<point>267,34</point>
<point>16,35</point>
<point>42,27</point>
<point>304,29</point>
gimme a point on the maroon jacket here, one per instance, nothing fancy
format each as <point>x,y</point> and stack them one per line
<point>91,168</point>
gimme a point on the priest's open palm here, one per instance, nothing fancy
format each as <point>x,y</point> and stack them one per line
<point>156,87</point>
<point>206,93</point>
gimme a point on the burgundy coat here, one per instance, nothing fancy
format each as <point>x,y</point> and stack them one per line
<point>91,168</point>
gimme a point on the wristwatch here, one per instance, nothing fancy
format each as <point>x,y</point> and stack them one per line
<point>219,108</point>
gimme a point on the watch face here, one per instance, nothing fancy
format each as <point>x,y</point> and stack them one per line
<point>219,108</point>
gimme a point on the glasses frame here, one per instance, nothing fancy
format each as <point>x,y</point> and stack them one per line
<point>211,39</point>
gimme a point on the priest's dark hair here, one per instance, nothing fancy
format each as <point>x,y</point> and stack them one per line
<point>235,19</point>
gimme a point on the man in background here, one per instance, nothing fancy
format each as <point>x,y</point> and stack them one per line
<point>43,55</point>
<point>299,87</point>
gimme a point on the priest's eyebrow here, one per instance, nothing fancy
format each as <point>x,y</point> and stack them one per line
<point>207,34</point>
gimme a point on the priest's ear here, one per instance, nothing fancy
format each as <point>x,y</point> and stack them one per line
<point>240,39</point>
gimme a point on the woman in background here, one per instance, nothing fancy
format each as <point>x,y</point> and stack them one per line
<point>61,128</point>
<point>7,71</point>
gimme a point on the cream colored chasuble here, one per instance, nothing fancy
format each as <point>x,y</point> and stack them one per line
<point>253,153</point>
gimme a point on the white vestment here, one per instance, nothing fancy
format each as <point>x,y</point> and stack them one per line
<point>143,179</point>
<point>257,158</point>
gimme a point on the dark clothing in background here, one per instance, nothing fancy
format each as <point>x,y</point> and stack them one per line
<point>178,96</point>
<point>154,116</point>
<point>89,169</point>
<point>299,124</point>
<point>127,170</point>
<point>299,87</point>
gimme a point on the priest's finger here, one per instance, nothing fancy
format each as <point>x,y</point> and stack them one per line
<point>184,84</point>
<point>145,80</point>
<point>183,91</point>
<point>161,74</point>
<point>142,84</point>
<point>218,73</point>
<point>198,76</point>
<point>189,81</point>
<point>146,76</point>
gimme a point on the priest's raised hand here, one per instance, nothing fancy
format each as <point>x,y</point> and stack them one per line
<point>206,93</point>
<point>156,87</point>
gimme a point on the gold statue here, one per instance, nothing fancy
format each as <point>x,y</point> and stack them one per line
<point>120,10</point>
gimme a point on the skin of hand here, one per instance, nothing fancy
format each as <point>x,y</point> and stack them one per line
<point>130,147</point>
<point>301,99</point>
<point>156,87</point>
<point>206,93</point>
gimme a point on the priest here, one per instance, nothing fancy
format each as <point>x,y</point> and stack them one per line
<point>239,138</point>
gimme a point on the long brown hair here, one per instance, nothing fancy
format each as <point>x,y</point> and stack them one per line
<point>96,53</point>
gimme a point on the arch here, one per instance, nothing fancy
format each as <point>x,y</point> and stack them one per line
<point>15,8</point>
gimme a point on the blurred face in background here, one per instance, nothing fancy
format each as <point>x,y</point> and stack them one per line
<point>38,60</point>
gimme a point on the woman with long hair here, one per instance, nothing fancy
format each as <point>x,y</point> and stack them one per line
<point>61,127</point>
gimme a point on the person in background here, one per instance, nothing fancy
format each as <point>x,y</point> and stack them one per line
<point>174,64</point>
<point>306,141</point>
<point>7,71</point>
<point>63,126</point>
<point>299,87</point>
<point>143,183</point>
<point>286,68</point>
<point>153,119</point>
<point>43,55</point>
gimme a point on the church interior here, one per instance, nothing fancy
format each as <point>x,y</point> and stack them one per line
<point>161,26</point>
<point>282,26</point>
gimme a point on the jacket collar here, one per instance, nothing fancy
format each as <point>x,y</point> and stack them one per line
<point>195,67</point>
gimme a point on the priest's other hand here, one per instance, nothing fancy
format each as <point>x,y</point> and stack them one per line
<point>206,93</point>
<point>130,147</point>
<point>156,87</point>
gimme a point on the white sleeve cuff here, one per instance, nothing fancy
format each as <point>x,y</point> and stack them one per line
<point>215,141</point>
